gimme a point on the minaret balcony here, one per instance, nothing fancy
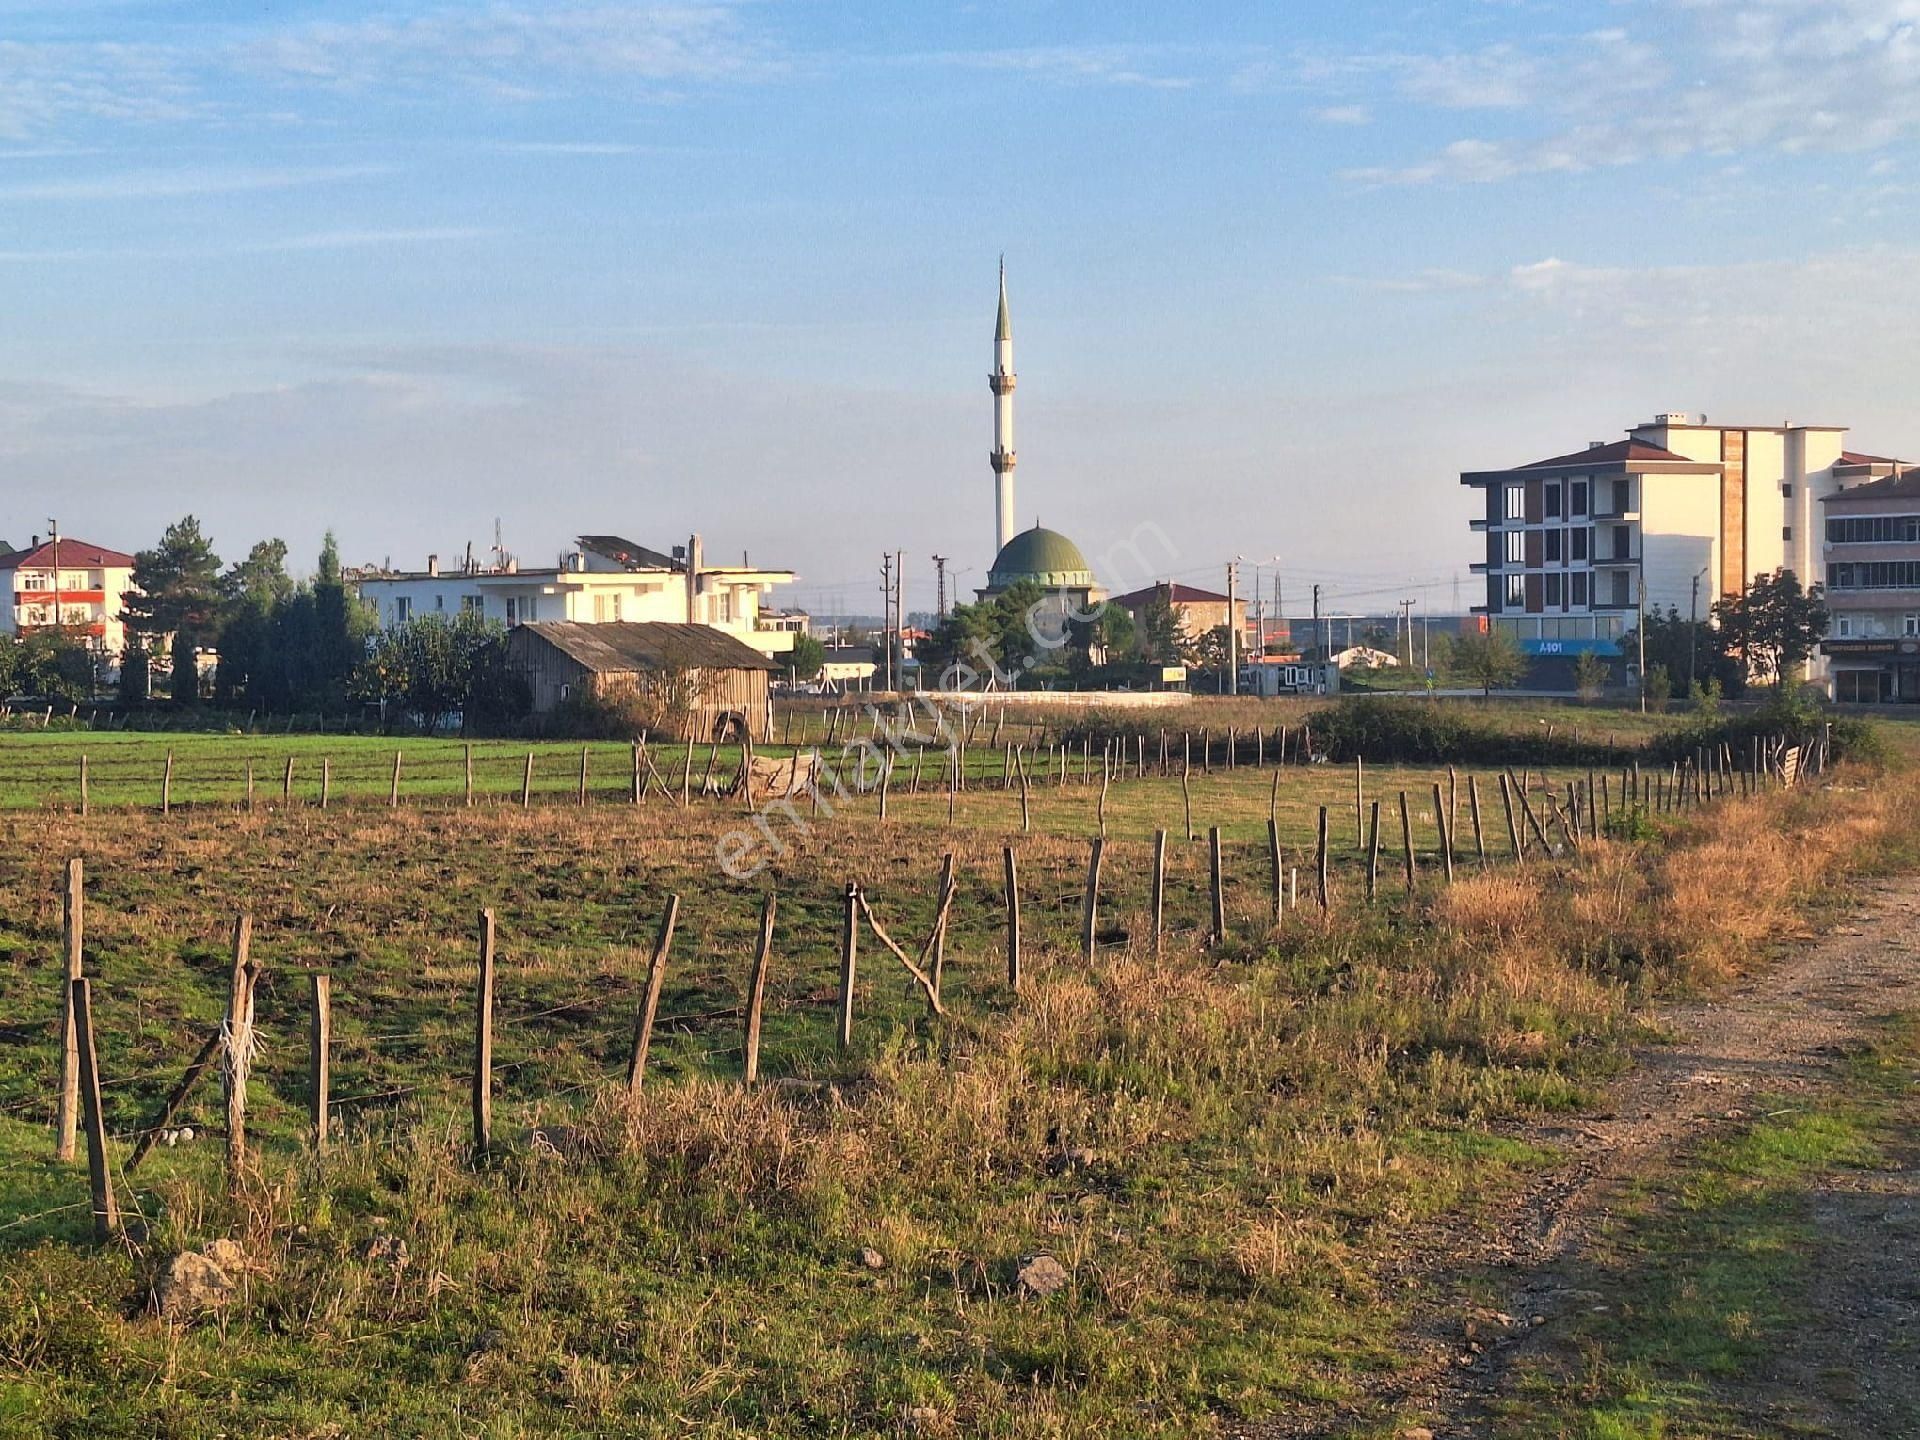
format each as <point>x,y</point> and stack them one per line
<point>1001,382</point>
<point>1002,460</point>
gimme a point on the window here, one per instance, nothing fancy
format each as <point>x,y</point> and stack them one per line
<point>1910,625</point>
<point>1843,627</point>
<point>1554,544</point>
<point>513,610</point>
<point>1516,547</point>
<point>1874,530</point>
<point>1553,501</point>
<point>1874,575</point>
<point>1577,543</point>
<point>1577,498</point>
<point>472,604</point>
<point>1516,502</point>
<point>1577,589</point>
<point>1786,532</point>
<point>439,602</point>
<point>402,609</point>
<point>1786,487</point>
<point>1553,591</point>
<point>1516,589</point>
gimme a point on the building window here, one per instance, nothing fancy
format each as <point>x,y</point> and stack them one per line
<point>1577,544</point>
<point>1843,627</point>
<point>402,609</point>
<point>1874,575</point>
<point>1577,590</point>
<point>1516,590</point>
<point>1577,498</point>
<point>1553,592</point>
<point>1553,502</point>
<point>1786,532</point>
<point>513,610</point>
<point>1516,547</point>
<point>1554,545</point>
<point>1786,487</point>
<point>1874,530</point>
<point>1516,502</point>
<point>472,604</point>
<point>439,602</point>
<point>1910,625</point>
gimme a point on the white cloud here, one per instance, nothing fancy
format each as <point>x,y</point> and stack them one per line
<point>1343,115</point>
<point>1078,64</point>
<point>171,184</point>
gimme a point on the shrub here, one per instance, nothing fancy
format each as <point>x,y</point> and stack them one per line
<point>1424,733</point>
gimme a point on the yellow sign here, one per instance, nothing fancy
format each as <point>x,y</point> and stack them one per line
<point>1169,674</point>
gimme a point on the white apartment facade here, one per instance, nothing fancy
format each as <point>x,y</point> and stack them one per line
<point>603,579</point>
<point>71,583</point>
<point>1680,513</point>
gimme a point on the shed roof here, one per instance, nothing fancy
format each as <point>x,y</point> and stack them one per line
<point>621,645</point>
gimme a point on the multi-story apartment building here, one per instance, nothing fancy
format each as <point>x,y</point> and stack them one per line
<point>1872,549</point>
<point>1676,515</point>
<point>605,578</point>
<point>71,583</point>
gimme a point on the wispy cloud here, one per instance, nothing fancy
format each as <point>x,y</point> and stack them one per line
<point>373,239</point>
<point>1146,66</point>
<point>172,184</point>
<point>1722,78</point>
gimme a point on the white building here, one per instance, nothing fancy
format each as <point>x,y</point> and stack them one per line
<point>1691,511</point>
<point>605,579</point>
<point>72,583</point>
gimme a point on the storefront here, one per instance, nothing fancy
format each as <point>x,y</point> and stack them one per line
<point>1874,672</point>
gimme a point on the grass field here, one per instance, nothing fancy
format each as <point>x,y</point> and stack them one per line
<point>1215,1146</point>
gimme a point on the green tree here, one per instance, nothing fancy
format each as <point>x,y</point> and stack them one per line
<point>1773,626</point>
<point>1680,648</point>
<point>1491,659</point>
<point>1159,635</point>
<point>175,601</point>
<point>806,657</point>
<point>426,668</point>
<point>990,638</point>
<point>252,592</point>
<point>1590,675</point>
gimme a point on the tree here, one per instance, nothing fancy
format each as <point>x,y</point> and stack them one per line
<point>252,591</point>
<point>1159,634</point>
<point>1680,648</point>
<point>1773,626</point>
<point>1491,659</point>
<point>175,600</point>
<point>806,657</point>
<point>1590,675</point>
<point>987,639</point>
<point>427,667</point>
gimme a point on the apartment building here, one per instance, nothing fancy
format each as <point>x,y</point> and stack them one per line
<point>604,579</point>
<point>67,582</point>
<point>1872,553</point>
<point>1678,514</point>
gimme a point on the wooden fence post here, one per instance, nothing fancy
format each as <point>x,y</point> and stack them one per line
<point>1090,904</point>
<point>483,1042</point>
<point>319,1039</point>
<point>1513,828</point>
<point>757,992</point>
<point>1158,900</point>
<point>583,776</point>
<point>1359,797</point>
<point>1217,885</point>
<point>1275,879</point>
<point>150,1135</point>
<point>83,782</point>
<point>286,782</point>
<point>1323,887</point>
<point>1473,809</point>
<point>849,964</point>
<point>249,787</point>
<point>1406,841</point>
<point>106,1210</point>
<point>393,789</point>
<point>469,776</point>
<point>686,774</point>
<point>1443,824</point>
<point>526,782</point>
<point>650,1003</point>
<point>166,786</point>
<point>1186,802</point>
<point>1373,851</point>
<point>239,1056</point>
<point>326,780</point>
<point>73,938</point>
<point>1011,867</point>
<point>945,902</point>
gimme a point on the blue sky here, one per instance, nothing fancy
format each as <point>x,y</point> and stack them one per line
<point>1279,271</point>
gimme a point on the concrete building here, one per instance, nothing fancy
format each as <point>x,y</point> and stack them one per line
<point>605,580</point>
<point>1679,513</point>
<point>1871,543</point>
<point>72,583</point>
<point>1199,611</point>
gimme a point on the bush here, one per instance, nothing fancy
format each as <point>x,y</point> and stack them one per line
<point>1419,732</point>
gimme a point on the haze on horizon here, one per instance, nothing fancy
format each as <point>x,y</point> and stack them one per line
<point>1277,273</point>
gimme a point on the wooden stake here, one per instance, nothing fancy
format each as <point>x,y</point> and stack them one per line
<point>1513,828</point>
<point>1359,795</point>
<point>326,781</point>
<point>1473,809</point>
<point>239,1040</point>
<point>319,1039</point>
<point>83,783</point>
<point>1406,841</point>
<point>249,787</point>
<point>483,1042</point>
<point>1158,900</point>
<point>1090,904</point>
<point>469,764</point>
<point>106,1211</point>
<point>166,786</point>
<point>849,964</point>
<point>1325,889</point>
<point>945,892</point>
<point>73,944</point>
<point>1186,800</point>
<point>1445,828</point>
<point>1273,867</point>
<point>393,790</point>
<point>526,783</point>
<point>582,799</point>
<point>686,776</point>
<point>1373,851</point>
<point>757,991</point>
<point>286,782</point>
<point>1011,868</point>
<point>1217,885</point>
<point>151,1133</point>
<point>650,1002</point>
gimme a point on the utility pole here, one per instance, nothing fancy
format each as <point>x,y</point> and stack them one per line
<point>1693,630</point>
<point>1233,631</point>
<point>940,573</point>
<point>54,526</point>
<point>886,612</point>
<point>899,616</point>
<point>1641,628</point>
<point>1318,639</point>
<point>1406,629</point>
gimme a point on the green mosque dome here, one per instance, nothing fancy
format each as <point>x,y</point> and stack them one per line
<point>1044,556</point>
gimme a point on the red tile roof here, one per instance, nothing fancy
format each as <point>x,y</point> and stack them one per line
<point>1856,457</point>
<point>1176,594</point>
<point>1619,452</point>
<point>72,552</point>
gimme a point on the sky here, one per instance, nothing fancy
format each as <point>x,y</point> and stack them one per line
<point>1279,271</point>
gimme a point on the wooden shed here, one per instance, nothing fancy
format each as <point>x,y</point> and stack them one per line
<point>694,677</point>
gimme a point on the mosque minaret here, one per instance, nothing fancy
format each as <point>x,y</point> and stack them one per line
<point>1002,381</point>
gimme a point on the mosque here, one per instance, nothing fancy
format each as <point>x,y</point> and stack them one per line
<point>1046,557</point>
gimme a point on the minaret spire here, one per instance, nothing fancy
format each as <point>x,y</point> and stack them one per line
<point>1001,381</point>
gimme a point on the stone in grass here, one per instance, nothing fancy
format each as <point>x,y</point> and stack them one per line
<point>388,1251</point>
<point>872,1259</point>
<point>197,1281</point>
<point>1040,1275</point>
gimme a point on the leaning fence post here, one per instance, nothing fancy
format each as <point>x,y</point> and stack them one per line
<point>166,786</point>
<point>393,789</point>
<point>757,992</point>
<point>483,1042</point>
<point>583,776</point>
<point>1186,802</point>
<point>1359,796</point>
<point>526,783</point>
<point>239,1040</point>
<point>326,780</point>
<point>73,937</point>
<point>1473,809</point>
<point>1090,906</point>
<point>106,1211</point>
<point>945,901</point>
<point>1325,894</point>
<point>1373,851</point>
<point>319,1039</point>
<point>1158,902</point>
<point>850,962</point>
<point>1442,824</point>
<point>650,1005</point>
<point>1217,884</point>
<point>1011,866</point>
<point>1513,826</point>
<point>286,781</point>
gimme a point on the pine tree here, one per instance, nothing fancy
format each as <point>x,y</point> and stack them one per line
<point>175,601</point>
